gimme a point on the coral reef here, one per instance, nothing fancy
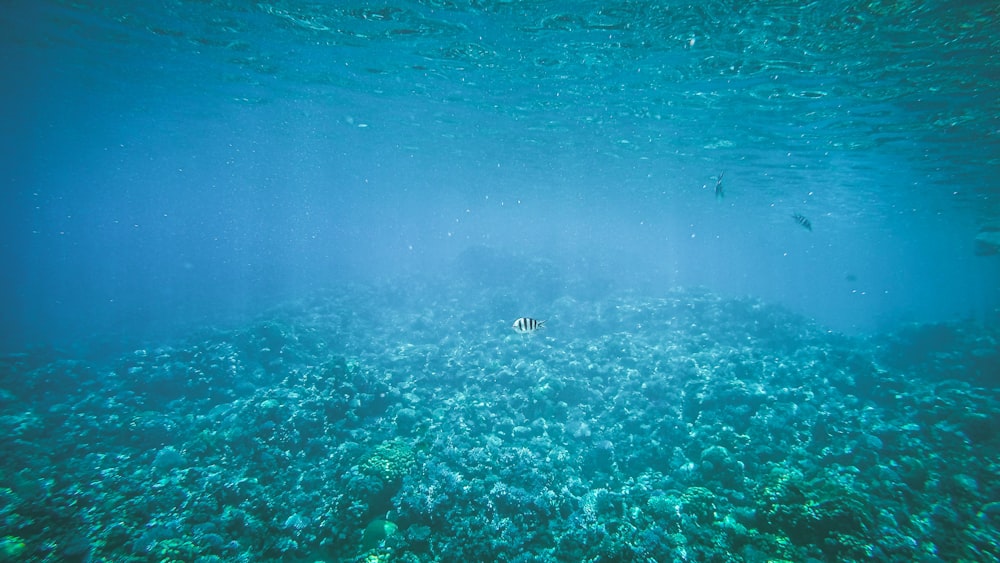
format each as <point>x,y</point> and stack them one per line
<point>370,425</point>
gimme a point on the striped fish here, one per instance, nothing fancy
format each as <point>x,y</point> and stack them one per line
<point>719,192</point>
<point>525,325</point>
<point>801,219</point>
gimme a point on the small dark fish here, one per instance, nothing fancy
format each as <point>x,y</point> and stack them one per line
<point>525,325</point>
<point>851,278</point>
<point>719,192</point>
<point>800,219</point>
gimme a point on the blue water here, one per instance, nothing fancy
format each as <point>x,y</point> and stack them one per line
<point>210,206</point>
<point>173,163</point>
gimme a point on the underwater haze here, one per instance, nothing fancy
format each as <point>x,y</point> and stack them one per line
<point>187,162</point>
<point>263,263</point>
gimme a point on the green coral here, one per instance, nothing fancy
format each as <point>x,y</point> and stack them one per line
<point>699,502</point>
<point>176,549</point>
<point>661,506</point>
<point>379,555</point>
<point>12,548</point>
<point>389,461</point>
<point>820,511</point>
<point>695,502</point>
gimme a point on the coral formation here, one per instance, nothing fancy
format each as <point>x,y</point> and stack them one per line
<point>389,461</point>
<point>665,429</point>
